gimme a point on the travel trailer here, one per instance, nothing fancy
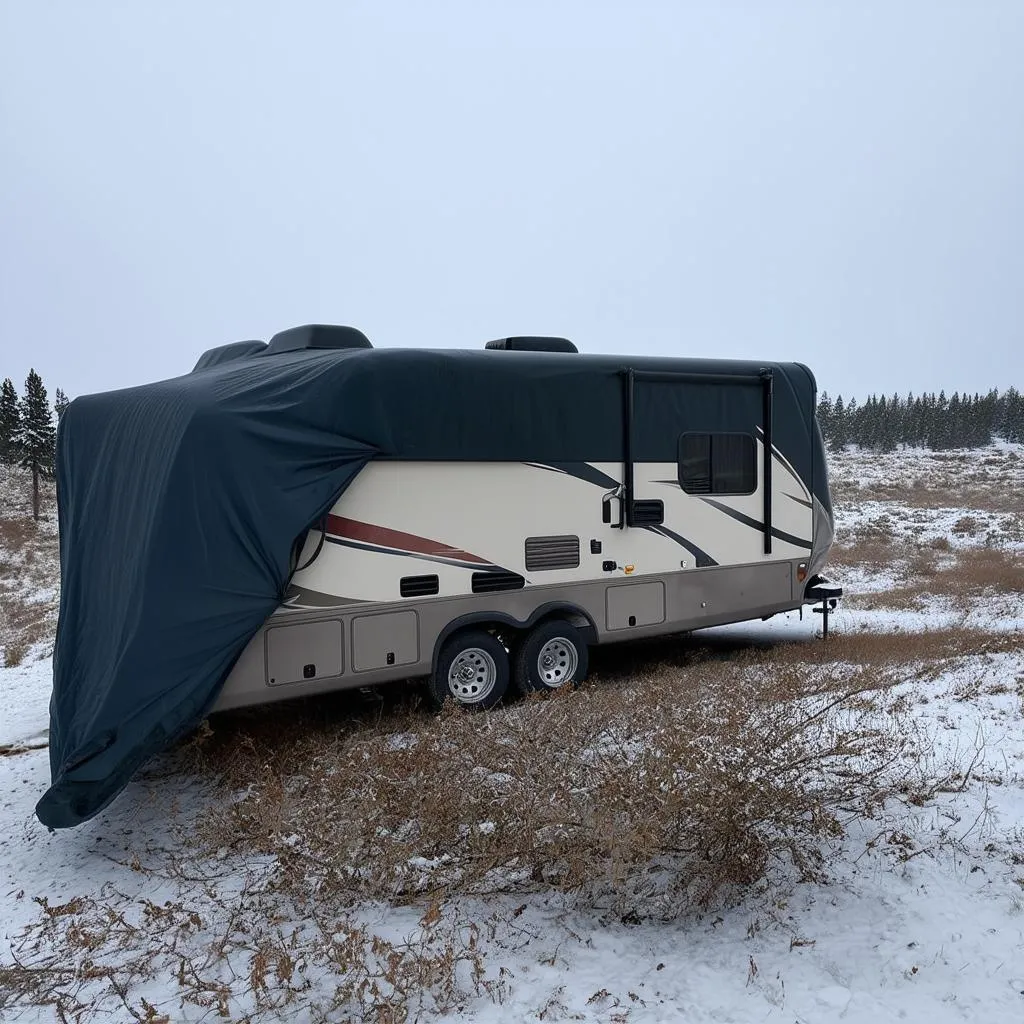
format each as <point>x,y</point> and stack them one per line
<point>492,575</point>
<point>312,513</point>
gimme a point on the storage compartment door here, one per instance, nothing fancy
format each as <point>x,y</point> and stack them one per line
<point>308,650</point>
<point>635,604</point>
<point>385,640</point>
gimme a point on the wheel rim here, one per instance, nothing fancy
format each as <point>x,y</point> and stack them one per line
<point>557,662</point>
<point>472,675</point>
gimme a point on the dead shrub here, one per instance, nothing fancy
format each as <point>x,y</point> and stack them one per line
<point>715,774</point>
<point>231,956</point>
<point>22,625</point>
<point>14,653</point>
<point>29,568</point>
<point>897,650</point>
<point>966,526</point>
<point>987,493</point>
<point>968,579</point>
<point>15,534</point>
<point>648,792</point>
<point>876,551</point>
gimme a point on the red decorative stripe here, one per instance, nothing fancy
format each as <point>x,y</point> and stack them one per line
<point>381,536</point>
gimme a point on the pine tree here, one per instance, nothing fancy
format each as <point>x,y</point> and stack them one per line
<point>825,416</point>
<point>60,403</point>
<point>838,419</point>
<point>10,422</point>
<point>36,435</point>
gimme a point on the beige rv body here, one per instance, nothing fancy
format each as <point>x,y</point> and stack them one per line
<point>413,551</point>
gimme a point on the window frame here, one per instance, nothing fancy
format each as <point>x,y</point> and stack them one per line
<point>711,434</point>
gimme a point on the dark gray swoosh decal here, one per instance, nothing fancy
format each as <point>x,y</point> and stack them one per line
<point>754,524</point>
<point>786,464</point>
<point>582,471</point>
<point>703,559</point>
<point>303,598</point>
<point>799,501</point>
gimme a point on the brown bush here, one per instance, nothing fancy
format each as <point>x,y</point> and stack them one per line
<point>685,769</point>
<point>28,565</point>
<point>966,525</point>
<point>715,772</point>
<point>970,578</point>
<point>985,493</point>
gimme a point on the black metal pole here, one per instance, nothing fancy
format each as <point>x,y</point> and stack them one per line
<point>767,384</point>
<point>627,478</point>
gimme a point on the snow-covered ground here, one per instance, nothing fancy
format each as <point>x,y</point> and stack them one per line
<point>921,917</point>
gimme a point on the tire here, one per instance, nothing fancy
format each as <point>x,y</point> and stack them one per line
<point>472,669</point>
<point>553,656</point>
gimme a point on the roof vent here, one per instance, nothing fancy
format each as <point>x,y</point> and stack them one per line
<point>532,344</point>
<point>228,353</point>
<point>317,336</point>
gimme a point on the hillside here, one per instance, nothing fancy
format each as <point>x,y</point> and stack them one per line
<point>748,823</point>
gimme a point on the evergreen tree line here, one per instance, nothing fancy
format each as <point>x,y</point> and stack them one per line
<point>28,433</point>
<point>928,421</point>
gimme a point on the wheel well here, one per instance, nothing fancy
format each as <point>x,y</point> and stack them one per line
<point>499,621</point>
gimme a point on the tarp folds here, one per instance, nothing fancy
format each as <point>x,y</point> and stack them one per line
<point>180,502</point>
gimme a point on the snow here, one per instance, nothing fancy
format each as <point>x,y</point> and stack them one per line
<point>25,703</point>
<point>936,937</point>
<point>921,918</point>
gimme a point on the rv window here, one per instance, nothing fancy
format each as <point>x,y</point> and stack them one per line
<point>717,464</point>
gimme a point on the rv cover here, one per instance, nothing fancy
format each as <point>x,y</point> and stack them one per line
<point>180,504</point>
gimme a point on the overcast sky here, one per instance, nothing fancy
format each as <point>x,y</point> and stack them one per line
<point>841,184</point>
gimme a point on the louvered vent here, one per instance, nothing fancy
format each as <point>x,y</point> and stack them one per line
<point>418,586</point>
<point>490,582</point>
<point>552,553</point>
<point>648,512</point>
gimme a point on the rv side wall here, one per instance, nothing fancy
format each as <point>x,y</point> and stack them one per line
<point>413,547</point>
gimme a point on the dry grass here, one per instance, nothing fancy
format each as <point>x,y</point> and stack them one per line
<point>28,568</point>
<point>988,485</point>
<point>966,577</point>
<point>682,774</point>
<point>713,773</point>
<point>83,946</point>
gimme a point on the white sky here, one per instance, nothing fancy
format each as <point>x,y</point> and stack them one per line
<point>841,184</point>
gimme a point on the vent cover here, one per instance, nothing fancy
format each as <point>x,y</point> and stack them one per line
<point>418,586</point>
<point>308,336</point>
<point>648,512</point>
<point>491,582</point>
<point>532,344</point>
<point>552,553</point>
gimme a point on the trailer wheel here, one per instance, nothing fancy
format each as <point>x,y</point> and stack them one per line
<point>552,656</point>
<point>473,669</point>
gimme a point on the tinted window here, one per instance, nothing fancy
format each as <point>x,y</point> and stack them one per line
<point>717,464</point>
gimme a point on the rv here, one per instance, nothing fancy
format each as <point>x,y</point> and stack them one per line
<point>582,500</point>
<point>312,513</point>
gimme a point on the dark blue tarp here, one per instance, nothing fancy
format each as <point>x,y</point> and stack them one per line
<point>180,504</point>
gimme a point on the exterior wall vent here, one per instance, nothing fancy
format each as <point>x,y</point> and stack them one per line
<point>493,582</point>
<point>418,586</point>
<point>552,553</point>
